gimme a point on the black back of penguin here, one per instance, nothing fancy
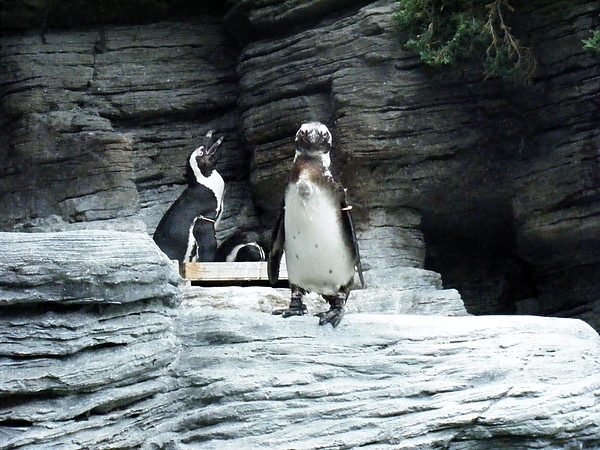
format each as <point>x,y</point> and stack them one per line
<point>186,231</point>
<point>242,246</point>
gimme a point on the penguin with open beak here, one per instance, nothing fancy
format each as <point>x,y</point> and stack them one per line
<point>186,231</point>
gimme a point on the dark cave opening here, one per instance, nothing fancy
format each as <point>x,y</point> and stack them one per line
<point>474,250</point>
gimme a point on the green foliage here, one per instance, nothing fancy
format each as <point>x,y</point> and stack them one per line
<point>593,43</point>
<point>447,32</point>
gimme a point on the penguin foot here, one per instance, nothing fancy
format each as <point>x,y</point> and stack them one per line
<point>297,308</point>
<point>289,312</point>
<point>333,316</point>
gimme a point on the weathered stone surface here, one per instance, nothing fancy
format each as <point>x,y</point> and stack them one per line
<point>248,379</point>
<point>409,291</point>
<point>384,381</point>
<point>107,140</point>
<point>83,267</point>
<point>72,166</point>
<point>557,190</point>
<point>126,370</point>
<point>85,329</point>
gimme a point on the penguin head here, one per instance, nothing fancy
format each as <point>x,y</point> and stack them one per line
<point>313,140</point>
<point>203,160</point>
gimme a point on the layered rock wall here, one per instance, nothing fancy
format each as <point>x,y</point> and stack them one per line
<point>557,189</point>
<point>501,180</point>
<point>495,186</point>
<point>106,141</point>
<point>86,333</point>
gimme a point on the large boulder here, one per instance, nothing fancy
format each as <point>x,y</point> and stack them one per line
<point>252,380</point>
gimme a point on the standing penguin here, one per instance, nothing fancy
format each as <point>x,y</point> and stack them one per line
<point>315,230</point>
<point>187,230</point>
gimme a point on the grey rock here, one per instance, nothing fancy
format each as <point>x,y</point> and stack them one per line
<point>86,329</point>
<point>67,331</point>
<point>411,301</point>
<point>415,291</point>
<point>84,266</point>
<point>494,186</point>
<point>388,381</point>
<point>76,167</point>
<point>247,379</point>
<point>108,137</point>
<point>127,370</point>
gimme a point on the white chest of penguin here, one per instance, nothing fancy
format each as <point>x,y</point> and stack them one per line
<point>318,254</point>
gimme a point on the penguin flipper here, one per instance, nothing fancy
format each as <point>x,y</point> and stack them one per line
<point>347,219</point>
<point>277,242</point>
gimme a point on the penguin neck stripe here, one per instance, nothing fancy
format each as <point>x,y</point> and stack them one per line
<point>194,165</point>
<point>214,182</point>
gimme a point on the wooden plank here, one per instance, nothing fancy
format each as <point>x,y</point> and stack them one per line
<point>229,271</point>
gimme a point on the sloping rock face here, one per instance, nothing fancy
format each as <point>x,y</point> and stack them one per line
<point>492,185</point>
<point>85,330</point>
<point>409,382</point>
<point>101,350</point>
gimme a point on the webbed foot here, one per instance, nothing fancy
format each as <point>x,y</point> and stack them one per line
<point>333,316</point>
<point>297,308</point>
<point>291,311</point>
<point>336,308</point>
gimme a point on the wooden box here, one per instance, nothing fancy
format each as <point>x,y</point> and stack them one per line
<point>230,273</point>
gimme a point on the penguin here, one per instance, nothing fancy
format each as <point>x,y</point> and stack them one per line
<point>241,246</point>
<point>186,232</point>
<point>314,230</point>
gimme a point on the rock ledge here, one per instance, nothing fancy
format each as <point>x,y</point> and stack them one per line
<point>111,362</point>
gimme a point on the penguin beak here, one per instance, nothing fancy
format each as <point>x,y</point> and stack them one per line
<point>314,137</point>
<point>213,148</point>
